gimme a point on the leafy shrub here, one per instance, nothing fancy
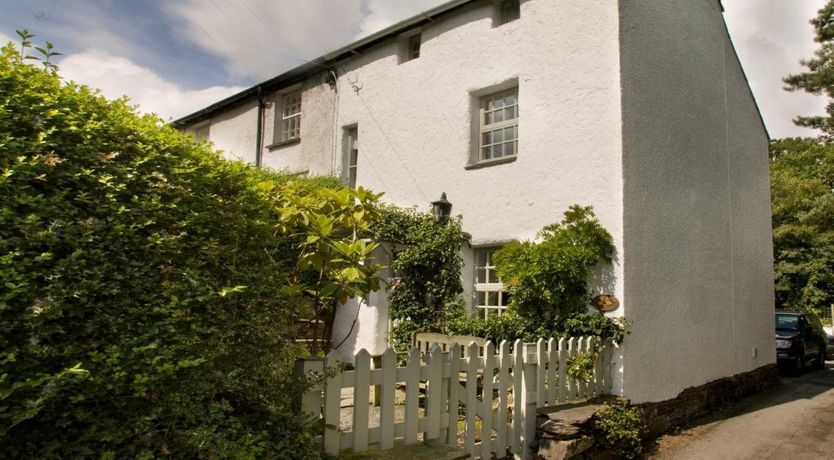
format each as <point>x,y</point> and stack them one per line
<point>331,266</point>
<point>424,297</point>
<point>548,279</point>
<point>142,313</point>
<point>622,427</point>
<point>581,366</point>
<point>548,285</point>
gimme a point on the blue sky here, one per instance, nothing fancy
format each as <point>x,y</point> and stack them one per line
<point>176,56</point>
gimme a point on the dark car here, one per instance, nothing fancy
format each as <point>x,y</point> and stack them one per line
<point>799,338</point>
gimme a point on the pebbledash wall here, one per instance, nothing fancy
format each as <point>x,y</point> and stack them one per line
<point>667,147</point>
<point>415,120</point>
<point>698,245</point>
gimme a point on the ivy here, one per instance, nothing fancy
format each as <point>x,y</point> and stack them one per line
<point>427,265</point>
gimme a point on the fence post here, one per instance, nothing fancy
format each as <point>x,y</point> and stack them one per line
<point>530,382</point>
<point>486,400</point>
<point>412,395</point>
<point>361,400</point>
<point>434,395</point>
<point>454,392</point>
<point>503,397</point>
<point>563,364</point>
<point>386,419</point>
<point>332,408</point>
<point>541,369</point>
<point>311,401</point>
<point>472,364</point>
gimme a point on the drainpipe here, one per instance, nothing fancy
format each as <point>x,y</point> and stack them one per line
<point>259,140</point>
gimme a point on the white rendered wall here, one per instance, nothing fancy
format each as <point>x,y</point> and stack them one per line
<point>698,255</point>
<point>314,154</point>
<point>234,131</point>
<point>415,119</point>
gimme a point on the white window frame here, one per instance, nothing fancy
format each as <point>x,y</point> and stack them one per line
<point>288,112</point>
<point>350,162</point>
<point>489,127</point>
<point>491,287</point>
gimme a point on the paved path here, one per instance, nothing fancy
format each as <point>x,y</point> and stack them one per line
<point>792,421</point>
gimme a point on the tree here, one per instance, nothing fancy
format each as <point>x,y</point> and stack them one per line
<point>147,285</point>
<point>332,228</point>
<point>819,79</point>
<point>802,195</point>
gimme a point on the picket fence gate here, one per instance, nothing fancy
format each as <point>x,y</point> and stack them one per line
<point>456,388</point>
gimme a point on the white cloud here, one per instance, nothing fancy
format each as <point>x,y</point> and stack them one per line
<point>383,13</point>
<point>116,76</point>
<point>5,39</point>
<point>771,36</point>
<point>263,39</point>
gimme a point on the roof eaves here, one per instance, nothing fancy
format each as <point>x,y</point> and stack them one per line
<point>300,72</point>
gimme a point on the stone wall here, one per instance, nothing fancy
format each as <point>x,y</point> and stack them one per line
<point>572,430</point>
<point>662,416</point>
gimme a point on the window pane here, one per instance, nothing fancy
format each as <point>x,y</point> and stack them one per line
<point>482,257</point>
<point>492,276</point>
<point>487,138</point>
<point>509,133</point>
<point>509,113</point>
<point>498,116</point>
<point>497,136</point>
<point>487,118</point>
<point>480,275</point>
<point>481,298</point>
<point>485,153</point>
<point>492,299</point>
<point>496,151</point>
<point>509,148</point>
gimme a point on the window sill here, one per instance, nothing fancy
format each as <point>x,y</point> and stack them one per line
<point>488,163</point>
<point>277,145</point>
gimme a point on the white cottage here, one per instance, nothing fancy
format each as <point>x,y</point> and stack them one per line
<point>518,109</point>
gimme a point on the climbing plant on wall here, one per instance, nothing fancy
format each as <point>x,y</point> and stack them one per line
<point>427,264</point>
<point>547,280</point>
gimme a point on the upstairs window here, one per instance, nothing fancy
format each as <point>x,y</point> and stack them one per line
<point>288,121</point>
<point>499,125</point>
<point>410,46</point>
<point>414,46</point>
<point>490,297</point>
<point>507,11</point>
<point>351,155</point>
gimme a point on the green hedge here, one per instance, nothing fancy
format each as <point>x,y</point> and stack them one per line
<point>125,327</point>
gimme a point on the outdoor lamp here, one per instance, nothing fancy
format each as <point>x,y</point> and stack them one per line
<point>442,209</point>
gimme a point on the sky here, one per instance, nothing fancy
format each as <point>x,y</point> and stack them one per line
<point>173,57</point>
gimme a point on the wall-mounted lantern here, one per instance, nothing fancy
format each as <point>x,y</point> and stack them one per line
<point>441,209</point>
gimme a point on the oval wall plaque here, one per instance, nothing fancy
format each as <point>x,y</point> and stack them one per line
<point>605,302</point>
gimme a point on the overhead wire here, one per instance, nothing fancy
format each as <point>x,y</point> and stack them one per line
<point>391,144</point>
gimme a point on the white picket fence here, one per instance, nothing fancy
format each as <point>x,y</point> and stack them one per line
<point>495,392</point>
